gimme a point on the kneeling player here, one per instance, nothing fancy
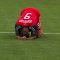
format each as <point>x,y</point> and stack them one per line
<point>28,24</point>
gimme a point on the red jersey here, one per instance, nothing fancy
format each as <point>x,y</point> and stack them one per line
<point>28,17</point>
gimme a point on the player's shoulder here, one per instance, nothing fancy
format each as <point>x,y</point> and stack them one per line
<point>33,9</point>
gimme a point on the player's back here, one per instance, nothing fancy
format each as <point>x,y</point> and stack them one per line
<point>31,9</point>
<point>28,17</point>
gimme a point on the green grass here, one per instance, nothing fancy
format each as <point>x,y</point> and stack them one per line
<point>44,48</point>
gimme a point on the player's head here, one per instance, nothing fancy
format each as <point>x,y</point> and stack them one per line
<point>25,32</point>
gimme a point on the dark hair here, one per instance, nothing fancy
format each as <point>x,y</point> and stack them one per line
<point>23,32</point>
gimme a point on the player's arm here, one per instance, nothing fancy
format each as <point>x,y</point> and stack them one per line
<point>20,38</point>
<point>30,38</point>
<point>40,31</point>
<point>24,38</point>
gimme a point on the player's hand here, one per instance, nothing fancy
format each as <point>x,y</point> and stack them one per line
<point>30,38</point>
<point>20,38</point>
<point>25,38</point>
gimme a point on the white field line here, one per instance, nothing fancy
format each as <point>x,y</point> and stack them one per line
<point>14,32</point>
<point>52,33</point>
<point>7,32</point>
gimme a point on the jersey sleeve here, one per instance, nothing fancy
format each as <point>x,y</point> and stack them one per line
<point>38,16</point>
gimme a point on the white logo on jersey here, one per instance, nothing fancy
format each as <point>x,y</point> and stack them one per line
<point>25,21</point>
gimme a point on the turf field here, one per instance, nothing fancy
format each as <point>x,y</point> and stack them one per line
<point>44,48</point>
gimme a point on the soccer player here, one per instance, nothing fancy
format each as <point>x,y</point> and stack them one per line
<point>28,25</point>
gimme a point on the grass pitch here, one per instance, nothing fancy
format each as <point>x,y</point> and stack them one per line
<point>44,48</point>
